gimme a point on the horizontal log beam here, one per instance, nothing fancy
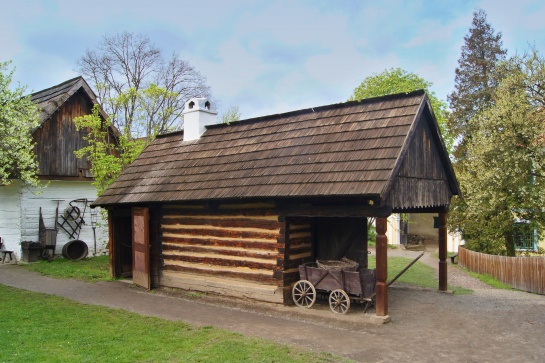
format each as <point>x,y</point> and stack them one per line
<point>225,243</point>
<point>335,211</point>
<point>300,240</point>
<point>257,212</point>
<point>223,251</point>
<point>228,233</point>
<point>227,222</point>
<point>244,276</point>
<point>220,261</point>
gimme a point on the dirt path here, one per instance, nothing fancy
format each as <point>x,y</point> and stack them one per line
<point>427,326</point>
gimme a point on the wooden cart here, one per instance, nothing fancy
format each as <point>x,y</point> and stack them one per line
<point>342,287</point>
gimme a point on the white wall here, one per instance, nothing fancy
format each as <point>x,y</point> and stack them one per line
<point>392,229</point>
<point>10,215</point>
<point>30,202</point>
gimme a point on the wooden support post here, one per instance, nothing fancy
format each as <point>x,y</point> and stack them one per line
<point>114,266</point>
<point>443,250</point>
<point>363,257</point>
<point>382,268</point>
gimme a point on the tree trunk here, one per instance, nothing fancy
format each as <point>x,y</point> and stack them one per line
<point>510,243</point>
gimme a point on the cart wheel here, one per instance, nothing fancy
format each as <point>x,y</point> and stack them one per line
<point>304,294</point>
<point>72,213</point>
<point>339,302</point>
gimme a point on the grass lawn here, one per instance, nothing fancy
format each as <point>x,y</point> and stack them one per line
<point>419,274</point>
<point>489,280</point>
<point>88,269</point>
<point>44,328</point>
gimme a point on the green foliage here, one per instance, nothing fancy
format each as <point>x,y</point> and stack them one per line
<point>371,234</point>
<point>108,158</point>
<point>18,117</point>
<point>475,79</point>
<point>231,115</point>
<point>45,328</point>
<point>89,269</point>
<point>503,175</point>
<point>397,80</point>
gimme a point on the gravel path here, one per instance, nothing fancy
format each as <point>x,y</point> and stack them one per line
<point>489,325</point>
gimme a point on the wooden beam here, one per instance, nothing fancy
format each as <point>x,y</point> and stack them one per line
<point>112,247</point>
<point>382,268</point>
<point>335,211</point>
<point>443,250</point>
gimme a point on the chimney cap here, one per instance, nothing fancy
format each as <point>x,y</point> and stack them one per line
<point>200,104</point>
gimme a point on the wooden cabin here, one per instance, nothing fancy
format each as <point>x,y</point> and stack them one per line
<point>235,208</point>
<point>66,177</point>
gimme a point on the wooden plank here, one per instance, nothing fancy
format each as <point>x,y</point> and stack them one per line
<point>226,251</point>
<point>211,261</point>
<point>225,222</point>
<point>220,232</point>
<point>223,286</point>
<point>259,277</point>
<point>270,246</point>
<point>140,245</point>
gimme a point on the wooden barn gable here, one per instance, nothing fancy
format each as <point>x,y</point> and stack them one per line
<point>57,137</point>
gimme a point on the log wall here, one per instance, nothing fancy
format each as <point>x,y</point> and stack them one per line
<point>298,248</point>
<point>229,249</point>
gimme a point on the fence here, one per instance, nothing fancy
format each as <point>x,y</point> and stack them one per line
<point>522,273</point>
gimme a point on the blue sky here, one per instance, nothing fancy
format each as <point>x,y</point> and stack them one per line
<point>267,56</point>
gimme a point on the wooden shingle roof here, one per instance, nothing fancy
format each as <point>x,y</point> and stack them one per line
<point>49,100</point>
<point>341,150</point>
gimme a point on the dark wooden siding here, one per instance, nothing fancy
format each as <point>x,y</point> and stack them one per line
<point>421,181</point>
<point>57,139</point>
<point>240,241</point>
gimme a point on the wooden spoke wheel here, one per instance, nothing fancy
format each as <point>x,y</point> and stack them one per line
<point>72,213</point>
<point>304,294</point>
<point>339,302</point>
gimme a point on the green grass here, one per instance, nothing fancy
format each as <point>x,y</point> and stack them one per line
<point>489,280</point>
<point>45,328</point>
<point>89,269</point>
<point>418,274</point>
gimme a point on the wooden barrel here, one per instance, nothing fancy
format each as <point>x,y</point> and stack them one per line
<point>75,250</point>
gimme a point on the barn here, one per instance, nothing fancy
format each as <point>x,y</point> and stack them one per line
<point>65,177</point>
<point>235,208</point>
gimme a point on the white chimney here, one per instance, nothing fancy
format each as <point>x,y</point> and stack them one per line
<point>198,113</point>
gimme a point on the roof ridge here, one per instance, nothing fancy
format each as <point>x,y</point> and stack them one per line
<point>322,108</point>
<point>57,85</point>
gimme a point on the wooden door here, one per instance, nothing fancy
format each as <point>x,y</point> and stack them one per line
<point>140,247</point>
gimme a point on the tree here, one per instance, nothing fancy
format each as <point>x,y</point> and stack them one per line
<point>108,158</point>
<point>397,80</point>
<point>143,93</point>
<point>18,117</point>
<point>231,115</point>
<point>503,174</point>
<point>474,81</point>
